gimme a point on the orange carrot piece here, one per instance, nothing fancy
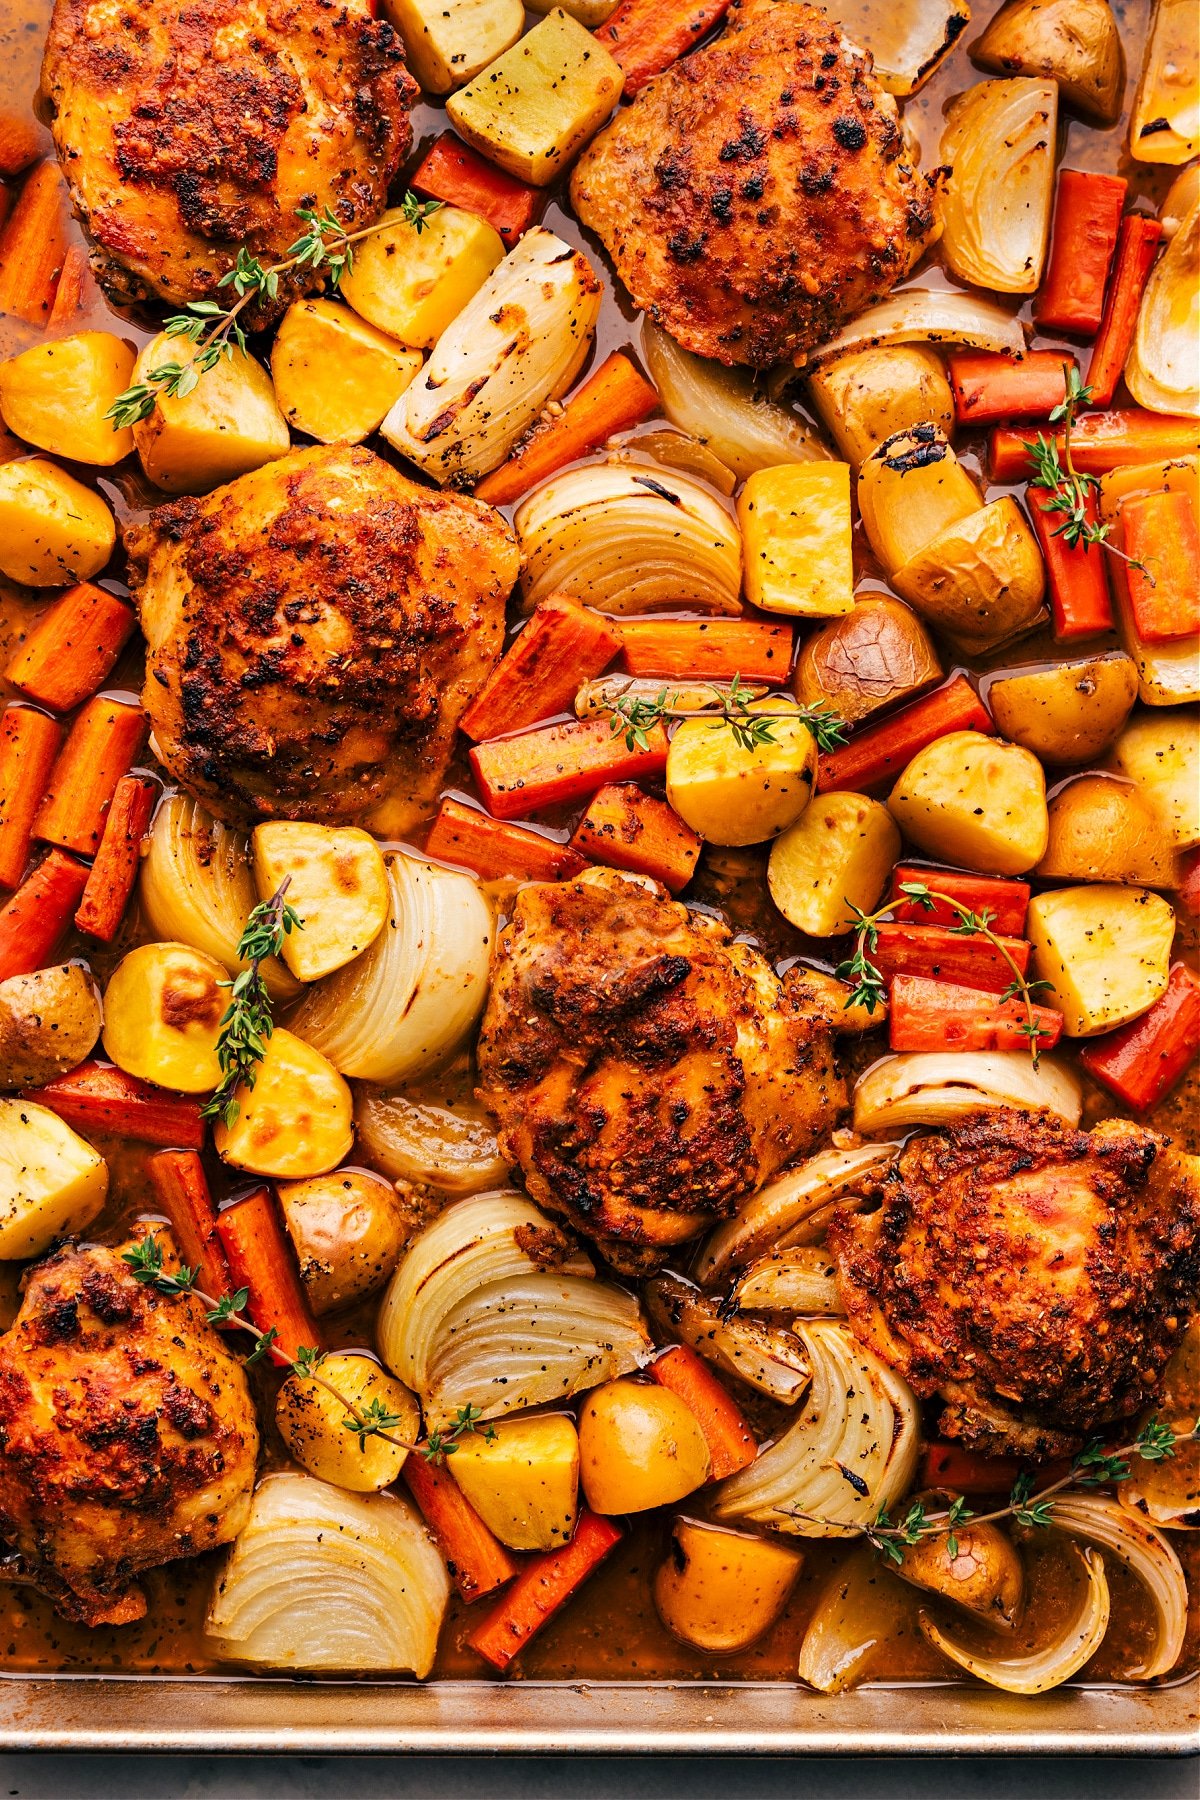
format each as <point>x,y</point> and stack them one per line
<point>116,866</point>
<point>731,1443</point>
<point>33,245</point>
<point>76,292</point>
<point>29,744</point>
<point>1006,902</point>
<point>879,753</point>
<point>629,829</point>
<point>1142,1061</point>
<point>21,140</point>
<point>1137,246</point>
<point>943,954</point>
<point>477,1560</point>
<point>38,914</point>
<point>542,1588</point>
<point>181,1187</point>
<point>99,1100</point>
<point>1080,601</point>
<point>614,398</point>
<point>647,36</point>
<point>73,648</point>
<point>453,172</point>
<point>563,645</point>
<point>519,775</point>
<point>711,649</point>
<point>1087,219</point>
<point>1100,442</point>
<point>989,388</point>
<point>463,835</point>
<point>944,1015</point>
<point>261,1259</point>
<point>966,1471</point>
<point>1163,573</point>
<point>104,739</point>
<point>1188,889</point>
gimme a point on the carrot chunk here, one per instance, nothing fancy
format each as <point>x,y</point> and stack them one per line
<point>21,140</point>
<point>966,1471</point>
<point>73,648</point>
<point>29,744</point>
<point>613,399</point>
<point>76,290</point>
<point>1137,246</point>
<point>880,752</point>
<point>988,387</point>
<point>1188,889</point>
<point>1087,220</point>
<point>496,851</point>
<point>38,914</point>
<point>1100,442</point>
<point>543,1587</point>
<point>944,1015</point>
<point>647,36</point>
<point>104,739</point>
<point>453,172</point>
<point>97,1099</point>
<point>33,245</point>
<point>1005,902</point>
<point>1142,1061</point>
<point>629,829</point>
<point>181,1186</point>
<point>945,955</point>
<point>260,1257</point>
<point>1080,601</point>
<point>712,649</point>
<point>477,1560</point>
<point>543,768</point>
<point>1163,573</point>
<point>116,866</point>
<point>563,645</point>
<point>731,1443</point>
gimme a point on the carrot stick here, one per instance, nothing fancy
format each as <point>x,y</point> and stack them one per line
<point>29,744</point>
<point>563,645</point>
<point>1188,889</point>
<point>882,751</point>
<point>612,399</point>
<point>456,174</point>
<point>1100,442</point>
<point>38,914</point>
<point>33,245</point>
<point>939,952</point>
<point>1137,246</point>
<point>76,290</point>
<point>731,1443</point>
<point>647,36</point>
<point>966,1471</point>
<point>73,648</point>
<point>628,829</point>
<point>1080,602</point>
<point>21,139</point>
<point>261,1259</point>
<point>104,739</point>
<point>477,1560</point>
<point>1142,1061</point>
<point>115,869</point>
<point>181,1186</point>
<point>99,1100</point>
<point>988,388</point>
<point>713,649</point>
<point>1087,219</point>
<point>1005,902</point>
<point>465,836</point>
<point>543,768</point>
<point>944,1015</point>
<point>541,1589</point>
<point>1163,573</point>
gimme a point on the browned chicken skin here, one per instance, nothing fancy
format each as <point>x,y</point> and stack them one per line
<point>127,1434</point>
<point>189,127</point>
<point>1035,1277</point>
<point>758,194</point>
<point>646,1072</point>
<point>314,632</point>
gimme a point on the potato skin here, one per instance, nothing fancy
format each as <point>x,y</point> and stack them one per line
<point>312,1423</point>
<point>49,1020</point>
<point>1103,830</point>
<point>986,1576</point>
<point>1067,714</point>
<point>162,1016</point>
<point>976,802</point>
<point>1075,41</point>
<point>348,1230</point>
<point>981,580</point>
<point>719,1590</point>
<point>865,660</point>
<point>639,1447</point>
<point>865,397</point>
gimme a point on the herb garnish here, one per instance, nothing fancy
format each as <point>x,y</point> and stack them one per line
<point>247,1024</point>
<point>1070,491</point>
<point>634,717</point>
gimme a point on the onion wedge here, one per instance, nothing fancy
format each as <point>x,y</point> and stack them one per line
<point>918,315</point>
<point>1040,1670</point>
<point>908,39</point>
<point>1100,1519</point>
<point>1000,142</point>
<point>780,1211</point>
<point>935,1088</point>
<point>450,1149</point>
<point>769,1359</point>
<point>720,407</point>
<point>862,1608</point>
<point>1163,370</point>
<point>800,1280</point>
<point>1165,125</point>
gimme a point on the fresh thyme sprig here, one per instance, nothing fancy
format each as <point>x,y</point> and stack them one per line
<point>867,986</point>
<point>1070,491</point>
<point>149,1266</point>
<point>634,717</point>
<point>218,331</point>
<point>247,1023</point>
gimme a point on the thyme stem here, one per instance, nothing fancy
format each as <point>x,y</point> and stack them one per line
<point>247,1023</point>
<point>633,717</point>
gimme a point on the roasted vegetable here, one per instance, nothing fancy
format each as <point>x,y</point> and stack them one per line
<point>55,395</point>
<point>228,424</point>
<point>1168,673</point>
<point>639,1447</point>
<point>52,1183</point>
<point>970,800</point>
<point>868,395</point>
<point>1077,43</point>
<point>1161,371</point>
<point>981,580</point>
<point>314,1424</point>
<point>1000,142</point>
<point>720,408</point>
<point>1103,830</point>
<point>337,884</point>
<point>975,1566</point>
<point>1165,124</point>
<point>347,1230</point>
<point>1104,953</point>
<point>834,860</point>
<point>49,1020</point>
<point>731,793</point>
<point>908,39</point>
<point>449,41</point>
<point>1068,713</point>
<point>911,488</point>
<point>336,376</point>
<point>720,1589</point>
<point>796,532</point>
<point>875,654</point>
<point>1160,753</point>
<point>53,530</point>
<point>452,1149</point>
<point>295,1121</point>
<point>162,1014</point>
<point>523,1481</point>
<point>412,283</point>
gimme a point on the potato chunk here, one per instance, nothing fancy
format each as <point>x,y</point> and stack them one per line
<point>411,283</point>
<point>51,1181</point>
<point>56,395</point>
<point>312,1423</point>
<point>53,530</point>
<point>335,376</point>
<point>868,658</point>
<point>536,106</point>
<point>1160,752</point>
<point>639,1447</point>
<point>1104,952</point>
<point>336,882</point>
<point>162,1015</point>
<point>1102,830</point>
<point>970,800</point>
<point>449,41</point>
<point>1069,713</point>
<point>525,1483</point>
<point>865,397</point>
<point>297,1119</point>
<point>720,1589</point>
<point>348,1231</point>
<point>733,795</point>
<point>228,424</point>
<point>980,580</point>
<point>911,488</point>
<point>838,854</point>
<point>49,1020</point>
<point>796,530</point>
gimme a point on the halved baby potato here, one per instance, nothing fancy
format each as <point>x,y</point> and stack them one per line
<point>639,1447</point>
<point>838,854</point>
<point>315,1425</point>
<point>162,1016</point>
<point>411,283</point>
<point>974,801</point>
<point>296,1120</point>
<point>720,1589</point>
<point>1101,829</point>
<point>229,424</point>
<point>981,579</point>
<point>867,659</point>
<point>336,377</point>
<point>1069,713</point>
<point>49,1020</point>
<point>524,1483</point>
<point>56,396</point>
<point>911,488</point>
<point>52,1182</point>
<point>1104,952</point>
<point>348,1231</point>
<point>1160,753</point>
<point>337,884</point>
<point>731,794</point>
<point>869,395</point>
<point>53,530</point>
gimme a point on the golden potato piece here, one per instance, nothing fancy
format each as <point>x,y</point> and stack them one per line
<point>1104,952</point>
<point>314,1424</point>
<point>639,1447</point>
<point>49,1020</point>
<point>56,395</point>
<point>53,530</point>
<point>1160,753</point>
<point>449,43</point>
<point>1103,830</point>
<point>976,802</point>
<point>985,1574</point>
<point>162,1016</point>
<point>796,539</point>
<point>411,283</point>
<point>911,488</point>
<point>52,1183</point>
<point>337,884</point>
<point>348,1231</point>
<point>721,1589</point>
<point>524,1484</point>
<point>227,425</point>
<point>838,854</point>
<point>1075,41</point>
<point>1069,713</point>
<point>335,376</point>
<point>295,1121</point>
<point>868,396</point>
<point>734,795</point>
<point>876,654</point>
<point>981,580</point>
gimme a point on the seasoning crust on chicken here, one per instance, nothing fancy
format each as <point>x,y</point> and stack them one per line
<point>759,193</point>
<point>315,631</point>
<point>646,1072</point>
<point>127,1434</point>
<point>1037,1278</point>
<point>187,128</point>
